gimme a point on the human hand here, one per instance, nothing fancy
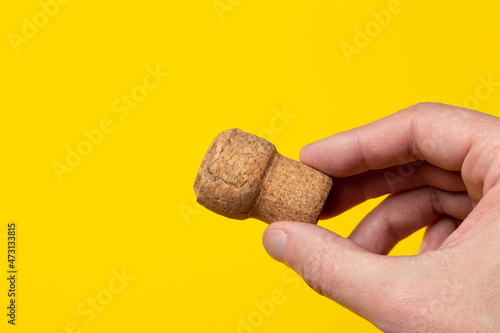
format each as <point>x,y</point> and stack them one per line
<point>441,165</point>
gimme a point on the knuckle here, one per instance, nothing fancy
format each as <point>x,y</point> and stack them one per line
<point>423,107</point>
<point>317,270</point>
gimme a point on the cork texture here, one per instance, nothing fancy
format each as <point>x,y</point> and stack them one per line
<point>242,176</point>
<point>232,171</point>
<point>292,192</point>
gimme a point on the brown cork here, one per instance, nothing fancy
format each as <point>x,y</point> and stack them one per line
<point>242,176</point>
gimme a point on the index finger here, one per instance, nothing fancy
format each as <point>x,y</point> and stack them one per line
<point>440,134</point>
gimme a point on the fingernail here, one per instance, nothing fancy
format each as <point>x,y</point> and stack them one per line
<point>274,243</point>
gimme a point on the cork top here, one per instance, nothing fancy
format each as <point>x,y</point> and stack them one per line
<point>232,173</point>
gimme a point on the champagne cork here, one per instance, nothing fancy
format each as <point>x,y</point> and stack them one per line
<point>243,176</point>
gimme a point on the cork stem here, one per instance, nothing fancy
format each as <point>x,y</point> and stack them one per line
<point>261,185</point>
<point>292,191</point>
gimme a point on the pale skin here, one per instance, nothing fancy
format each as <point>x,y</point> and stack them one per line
<point>451,186</point>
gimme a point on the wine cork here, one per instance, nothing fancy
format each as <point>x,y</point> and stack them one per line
<point>243,176</point>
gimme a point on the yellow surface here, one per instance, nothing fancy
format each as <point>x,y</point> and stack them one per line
<point>112,241</point>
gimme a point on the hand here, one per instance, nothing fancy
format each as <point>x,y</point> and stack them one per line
<point>441,166</point>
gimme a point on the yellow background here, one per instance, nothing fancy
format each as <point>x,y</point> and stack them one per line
<point>128,206</point>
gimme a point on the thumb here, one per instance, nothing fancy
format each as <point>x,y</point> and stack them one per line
<point>337,267</point>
